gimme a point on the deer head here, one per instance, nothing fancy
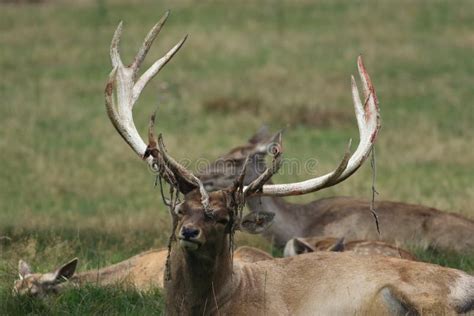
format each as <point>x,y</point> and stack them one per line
<point>42,284</point>
<point>202,230</point>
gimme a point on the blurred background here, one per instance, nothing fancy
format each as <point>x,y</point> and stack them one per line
<point>69,185</point>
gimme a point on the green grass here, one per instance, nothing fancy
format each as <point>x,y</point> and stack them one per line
<point>70,187</point>
<point>87,300</point>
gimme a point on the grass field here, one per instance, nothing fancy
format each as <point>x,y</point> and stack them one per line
<point>69,186</point>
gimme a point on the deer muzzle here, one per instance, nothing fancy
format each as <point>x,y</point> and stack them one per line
<point>190,237</point>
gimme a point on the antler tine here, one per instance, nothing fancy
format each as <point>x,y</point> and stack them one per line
<point>154,69</point>
<point>122,80</point>
<point>180,171</point>
<point>368,116</point>
<point>114,46</point>
<point>368,121</point>
<point>147,42</point>
<point>239,181</point>
<point>367,83</point>
<point>333,179</point>
<point>256,185</point>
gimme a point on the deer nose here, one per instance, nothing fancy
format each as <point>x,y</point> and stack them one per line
<point>190,232</point>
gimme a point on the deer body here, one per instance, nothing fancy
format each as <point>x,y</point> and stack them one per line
<point>400,223</point>
<point>251,254</point>
<point>143,272</point>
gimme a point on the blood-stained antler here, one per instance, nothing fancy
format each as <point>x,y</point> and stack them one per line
<point>368,121</point>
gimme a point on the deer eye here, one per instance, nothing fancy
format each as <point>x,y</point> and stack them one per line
<point>222,221</point>
<point>209,215</point>
<point>179,210</point>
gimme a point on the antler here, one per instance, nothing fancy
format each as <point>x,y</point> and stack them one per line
<point>123,79</point>
<point>368,121</point>
<point>128,89</point>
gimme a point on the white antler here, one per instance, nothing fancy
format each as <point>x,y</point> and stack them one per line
<point>128,89</point>
<point>368,120</point>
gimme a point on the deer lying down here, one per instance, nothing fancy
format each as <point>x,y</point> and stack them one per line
<point>143,272</point>
<point>400,223</point>
<point>204,280</point>
<point>297,246</point>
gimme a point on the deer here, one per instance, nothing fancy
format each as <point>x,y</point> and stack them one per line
<point>297,246</point>
<point>400,223</point>
<point>143,272</point>
<point>202,278</point>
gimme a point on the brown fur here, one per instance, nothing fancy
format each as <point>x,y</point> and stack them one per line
<point>143,272</point>
<point>204,281</point>
<point>251,254</point>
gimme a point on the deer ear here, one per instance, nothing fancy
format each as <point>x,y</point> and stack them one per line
<point>66,271</point>
<point>301,246</point>
<point>296,246</point>
<point>263,141</point>
<point>338,246</point>
<point>256,222</point>
<point>24,269</point>
<point>262,134</point>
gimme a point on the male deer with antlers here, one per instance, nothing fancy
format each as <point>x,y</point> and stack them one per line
<point>204,280</point>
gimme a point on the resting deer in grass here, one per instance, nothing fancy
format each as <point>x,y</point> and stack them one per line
<point>298,246</point>
<point>400,223</point>
<point>143,272</point>
<point>203,278</point>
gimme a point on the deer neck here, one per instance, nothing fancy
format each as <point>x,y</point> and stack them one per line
<point>199,285</point>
